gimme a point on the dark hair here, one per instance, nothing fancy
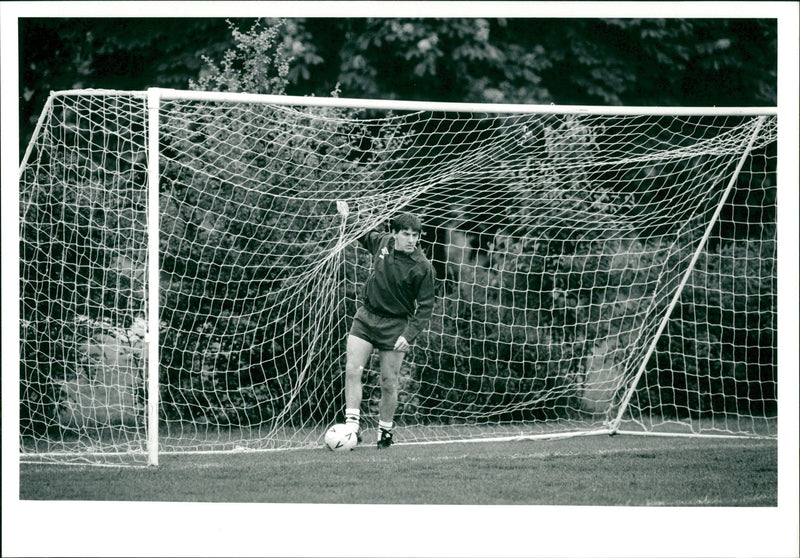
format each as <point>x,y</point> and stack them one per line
<point>405,221</point>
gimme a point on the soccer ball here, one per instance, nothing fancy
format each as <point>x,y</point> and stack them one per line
<point>340,437</point>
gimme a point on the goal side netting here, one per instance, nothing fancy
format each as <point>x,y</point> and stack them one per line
<point>597,270</point>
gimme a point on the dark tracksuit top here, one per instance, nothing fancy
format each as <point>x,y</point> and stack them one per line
<point>400,284</point>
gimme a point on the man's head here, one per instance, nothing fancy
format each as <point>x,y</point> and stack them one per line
<point>406,229</point>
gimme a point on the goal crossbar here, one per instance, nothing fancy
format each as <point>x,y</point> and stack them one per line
<point>432,106</point>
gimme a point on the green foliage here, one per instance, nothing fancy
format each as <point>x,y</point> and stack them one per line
<point>257,63</point>
<point>223,195</point>
<point>109,53</point>
<point>726,320</point>
<point>668,62</point>
<point>563,61</point>
<point>82,248</point>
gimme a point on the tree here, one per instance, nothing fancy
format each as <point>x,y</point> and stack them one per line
<point>667,62</point>
<point>108,53</point>
<point>670,62</point>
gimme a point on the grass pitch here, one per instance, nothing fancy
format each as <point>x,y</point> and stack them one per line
<point>593,471</point>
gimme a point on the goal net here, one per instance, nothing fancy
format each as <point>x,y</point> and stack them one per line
<point>598,270</point>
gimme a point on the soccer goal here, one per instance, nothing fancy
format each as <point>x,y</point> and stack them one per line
<point>187,284</point>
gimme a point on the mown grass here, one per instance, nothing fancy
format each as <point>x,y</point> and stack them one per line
<point>596,470</point>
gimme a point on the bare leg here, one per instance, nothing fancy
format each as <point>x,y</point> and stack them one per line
<point>358,353</point>
<point>390,372</point>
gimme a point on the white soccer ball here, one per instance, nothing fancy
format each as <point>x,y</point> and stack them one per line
<point>340,437</point>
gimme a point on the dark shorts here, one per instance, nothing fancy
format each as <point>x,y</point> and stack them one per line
<point>381,331</point>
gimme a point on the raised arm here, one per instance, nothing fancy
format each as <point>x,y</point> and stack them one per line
<point>369,239</point>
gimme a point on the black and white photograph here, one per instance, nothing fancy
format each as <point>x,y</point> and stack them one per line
<point>400,278</point>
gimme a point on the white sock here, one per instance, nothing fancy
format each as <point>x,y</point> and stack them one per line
<point>385,425</point>
<point>352,417</point>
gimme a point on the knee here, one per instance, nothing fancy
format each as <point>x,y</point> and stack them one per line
<point>389,383</point>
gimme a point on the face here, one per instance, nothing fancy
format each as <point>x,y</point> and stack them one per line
<point>405,240</point>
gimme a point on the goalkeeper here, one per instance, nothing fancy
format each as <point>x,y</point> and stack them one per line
<point>396,304</point>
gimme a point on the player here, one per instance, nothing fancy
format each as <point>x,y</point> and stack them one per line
<point>396,304</point>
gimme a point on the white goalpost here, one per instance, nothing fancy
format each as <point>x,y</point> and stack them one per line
<point>187,284</point>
